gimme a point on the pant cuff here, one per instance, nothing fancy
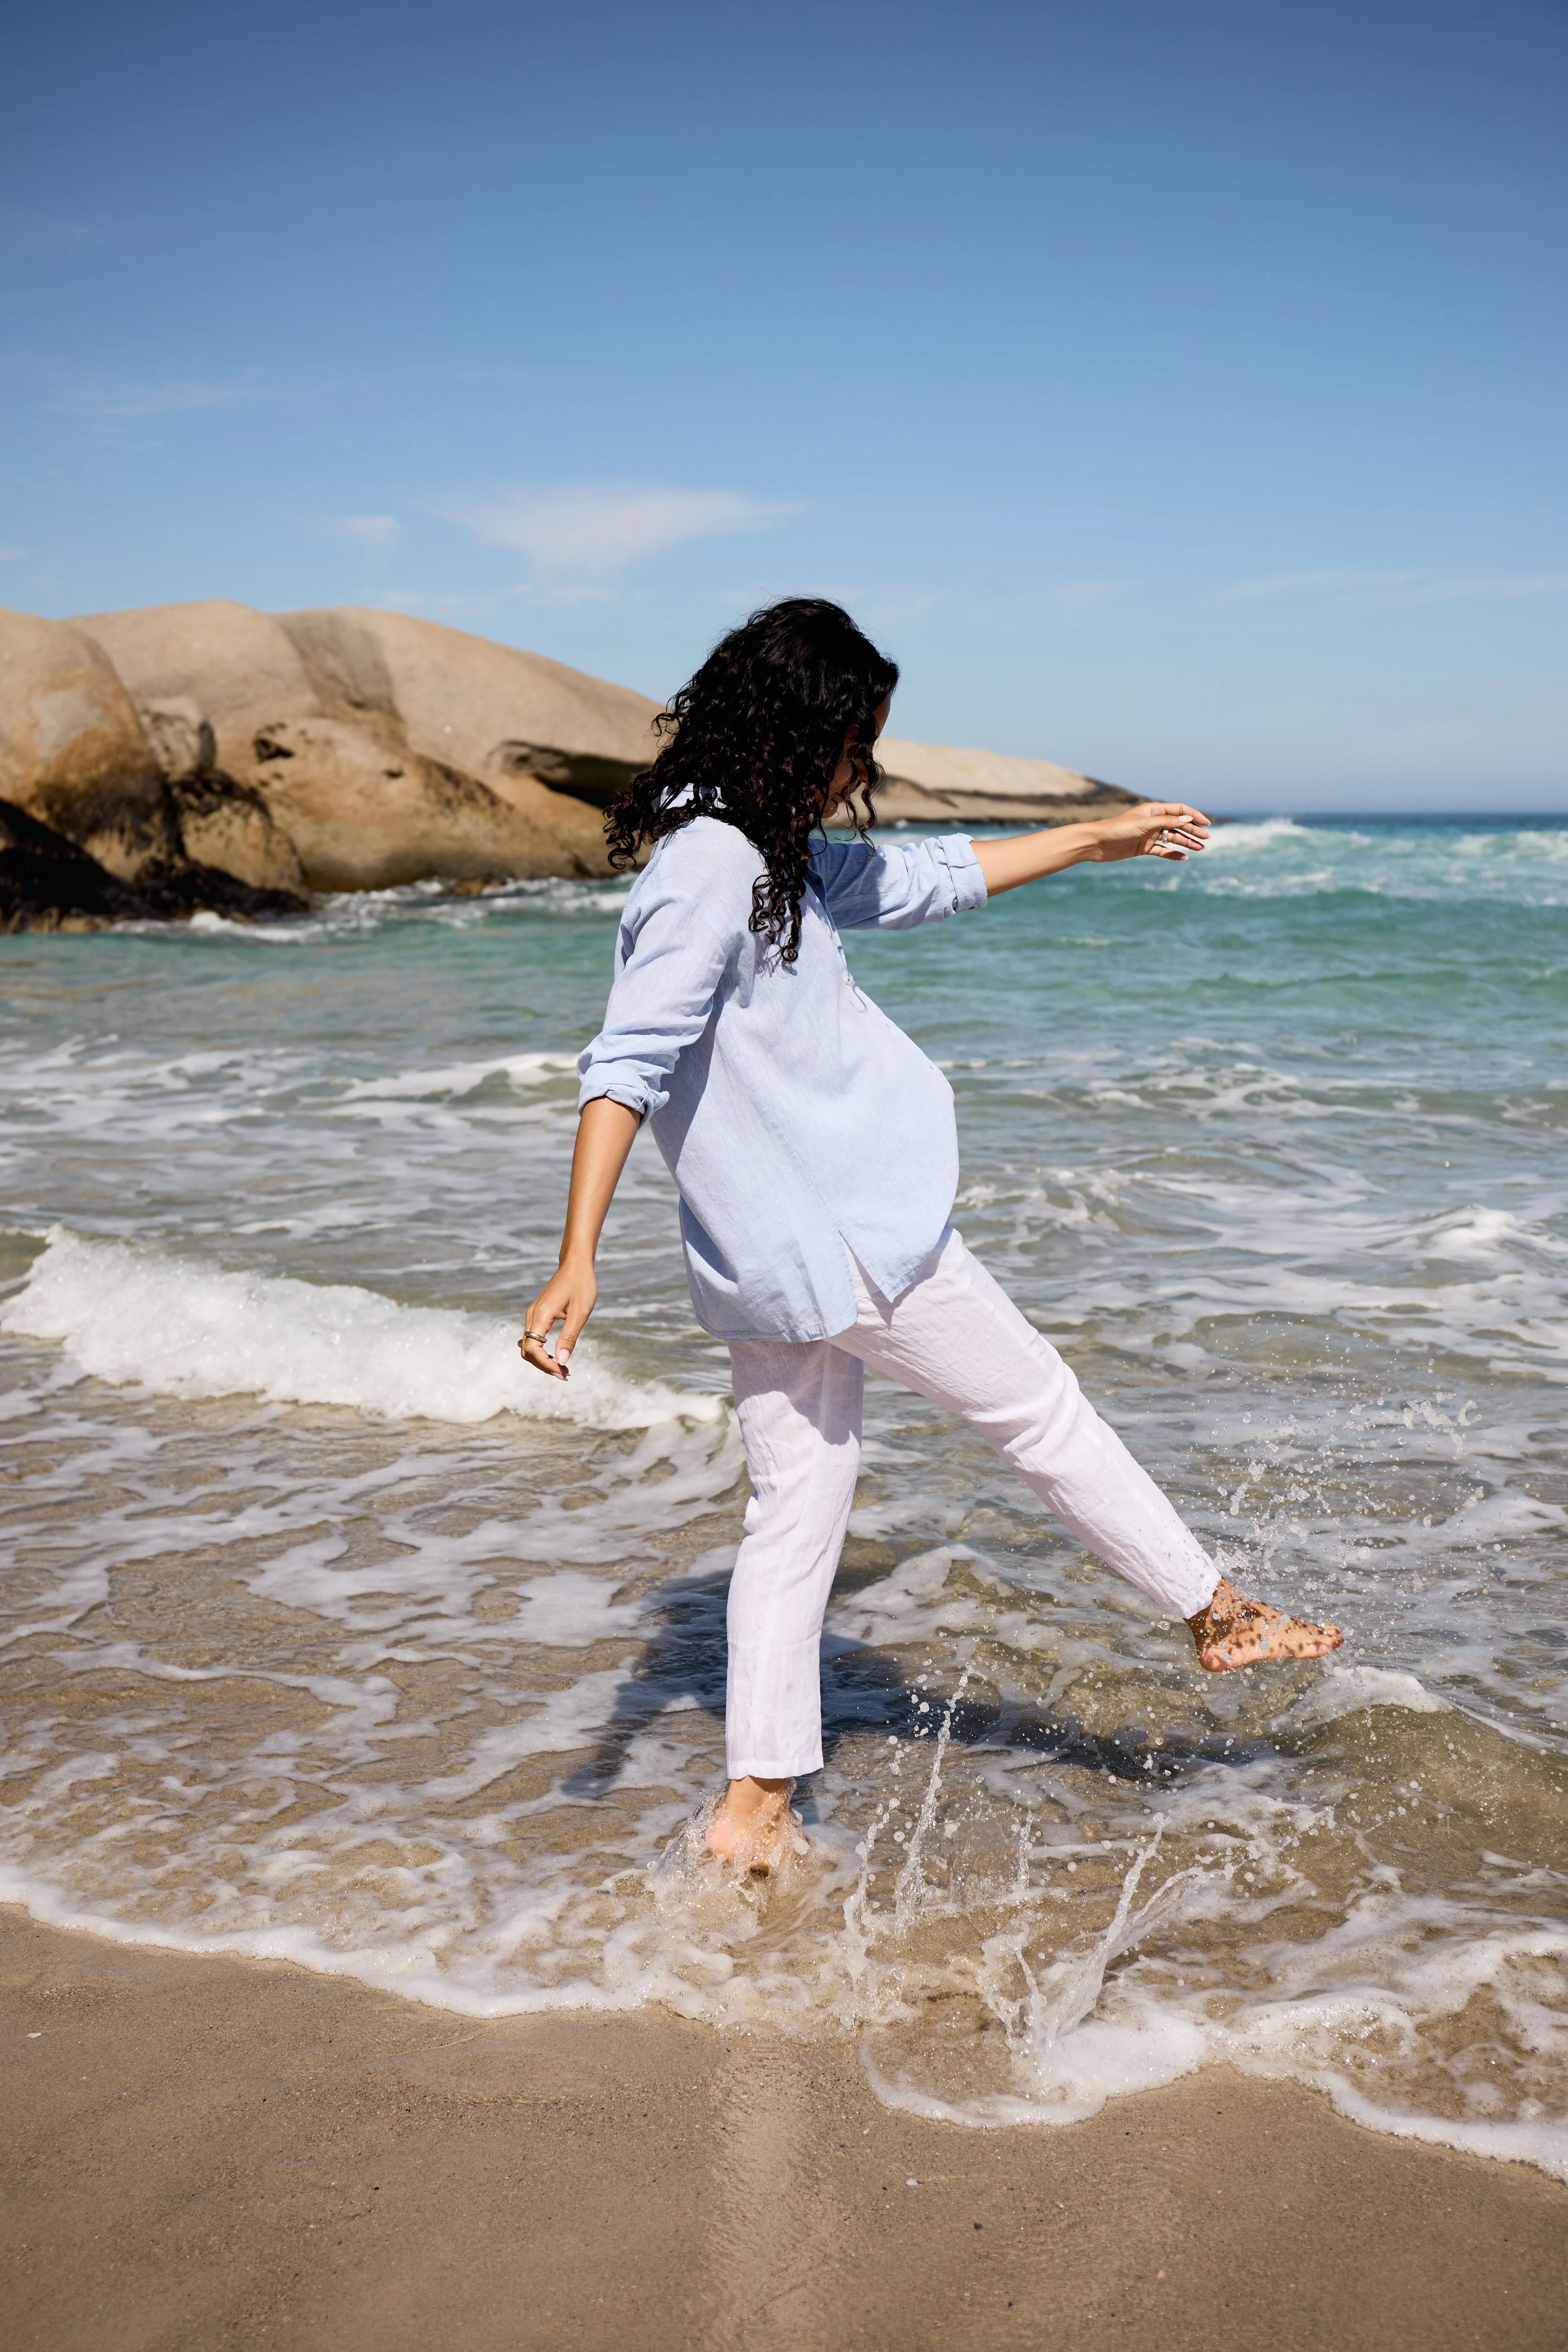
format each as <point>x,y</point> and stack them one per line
<point>741,1767</point>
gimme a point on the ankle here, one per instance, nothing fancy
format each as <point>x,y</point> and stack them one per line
<point>747,1796</point>
<point>1206,1624</point>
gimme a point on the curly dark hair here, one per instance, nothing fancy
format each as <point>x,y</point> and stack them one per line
<point>757,735</point>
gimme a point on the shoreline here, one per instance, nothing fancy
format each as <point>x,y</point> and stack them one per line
<point>205,2150</point>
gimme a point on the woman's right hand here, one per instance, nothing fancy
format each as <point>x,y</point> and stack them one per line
<point>604,1133</point>
<point>566,1299</point>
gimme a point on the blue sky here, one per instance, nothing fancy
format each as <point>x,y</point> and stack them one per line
<point>1177,391</point>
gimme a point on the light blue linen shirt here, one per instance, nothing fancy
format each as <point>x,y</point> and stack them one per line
<point>795,1116</point>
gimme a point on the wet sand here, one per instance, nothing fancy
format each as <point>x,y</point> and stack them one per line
<point>215,2152</point>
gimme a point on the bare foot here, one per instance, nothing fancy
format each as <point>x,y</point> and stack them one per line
<point>754,1828</point>
<point>1234,1632</point>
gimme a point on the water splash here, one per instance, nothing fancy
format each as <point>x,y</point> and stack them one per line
<point>910,1892</point>
<point>865,1926</point>
<point>1053,2005</point>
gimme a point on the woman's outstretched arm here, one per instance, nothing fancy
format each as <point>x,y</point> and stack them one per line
<point>1153,829</point>
<point>605,1134</point>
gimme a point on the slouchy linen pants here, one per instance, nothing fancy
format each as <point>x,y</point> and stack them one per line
<point>957,1337</point>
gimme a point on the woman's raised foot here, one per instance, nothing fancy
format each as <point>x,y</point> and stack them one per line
<point>1232,1631</point>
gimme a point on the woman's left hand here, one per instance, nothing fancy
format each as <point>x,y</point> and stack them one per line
<point>1153,829</point>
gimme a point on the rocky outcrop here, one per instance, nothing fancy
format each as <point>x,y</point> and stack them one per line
<point>187,748</point>
<point>935,783</point>
<point>374,750</point>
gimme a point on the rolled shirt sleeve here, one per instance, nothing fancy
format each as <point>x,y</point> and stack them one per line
<point>668,966</point>
<point>896,886</point>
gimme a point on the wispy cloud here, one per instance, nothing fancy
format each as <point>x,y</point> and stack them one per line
<point>598,527</point>
<point>1417,586</point>
<point>185,396</point>
<point>20,224</point>
<point>376,534</point>
<point>12,554</point>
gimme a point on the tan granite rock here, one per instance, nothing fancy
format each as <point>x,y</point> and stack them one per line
<point>237,670</point>
<point>180,735</point>
<point>494,711</point>
<point>356,735</point>
<point>361,817</point>
<point>72,748</point>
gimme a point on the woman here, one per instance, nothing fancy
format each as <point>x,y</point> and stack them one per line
<point>815,1151</point>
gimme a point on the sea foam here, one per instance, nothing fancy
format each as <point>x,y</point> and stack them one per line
<point>129,1315</point>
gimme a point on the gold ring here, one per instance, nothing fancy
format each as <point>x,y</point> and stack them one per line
<point>538,1337</point>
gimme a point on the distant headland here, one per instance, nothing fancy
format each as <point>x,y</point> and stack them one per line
<point>207,756</point>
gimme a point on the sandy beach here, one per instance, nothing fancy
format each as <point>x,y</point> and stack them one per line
<point>205,2152</point>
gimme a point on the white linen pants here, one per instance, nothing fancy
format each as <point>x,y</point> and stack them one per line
<point>957,1337</point>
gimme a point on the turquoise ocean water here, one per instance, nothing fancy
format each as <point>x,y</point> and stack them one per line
<point>329,1633</point>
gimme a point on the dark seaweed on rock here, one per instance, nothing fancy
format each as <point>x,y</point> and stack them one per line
<point>46,880</point>
<point>47,884</point>
<point>175,890</point>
